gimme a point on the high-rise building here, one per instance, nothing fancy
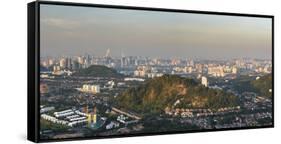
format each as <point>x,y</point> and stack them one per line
<point>51,62</point>
<point>234,70</point>
<point>123,61</point>
<point>80,60</point>
<point>88,60</point>
<point>68,63</point>
<point>204,81</point>
<point>136,62</point>
<point>63,63</point>
<point>107,54</point>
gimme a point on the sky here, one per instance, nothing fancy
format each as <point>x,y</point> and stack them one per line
<point>73,31</point>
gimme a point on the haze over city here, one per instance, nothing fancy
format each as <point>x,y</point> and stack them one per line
<point>68,30</point>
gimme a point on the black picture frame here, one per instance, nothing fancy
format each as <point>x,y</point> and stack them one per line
<point>33,106</point>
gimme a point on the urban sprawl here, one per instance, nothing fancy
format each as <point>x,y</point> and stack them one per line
<point>79,106</point>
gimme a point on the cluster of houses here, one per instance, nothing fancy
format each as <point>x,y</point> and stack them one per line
<point>199,112</point>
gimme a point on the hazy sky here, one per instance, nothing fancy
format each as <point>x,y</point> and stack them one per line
<point>70,30</point>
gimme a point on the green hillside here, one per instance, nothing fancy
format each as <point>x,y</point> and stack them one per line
<point>156,94</point>
<point>98,71</point>
<point>250,84</point>
<point>263,85</point>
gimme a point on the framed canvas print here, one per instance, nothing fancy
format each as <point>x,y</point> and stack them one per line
<point>104,71</point>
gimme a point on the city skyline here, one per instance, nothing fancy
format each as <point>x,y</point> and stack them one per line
<point>72,31</point>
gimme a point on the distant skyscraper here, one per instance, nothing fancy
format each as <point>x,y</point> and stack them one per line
<point>89,59</point>
<point>80,60</point>
<point>123,61</point>
<point>136,62</point>
<point>107,54</point>
<point>63,63</point>
<point>51,62</point>
<point>68,63</point>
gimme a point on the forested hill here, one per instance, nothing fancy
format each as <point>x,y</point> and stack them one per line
<point>156,94</point>
<point>98,71</point>
<point>263,85</point>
